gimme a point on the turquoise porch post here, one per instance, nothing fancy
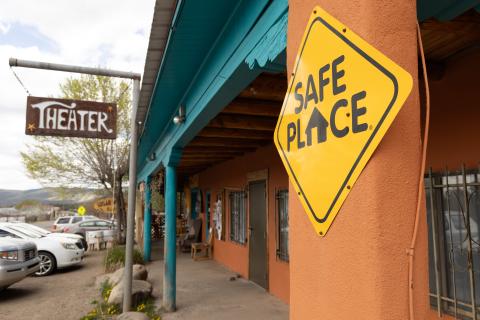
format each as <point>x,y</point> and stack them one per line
<point>170,246</point>
<point>147,221</point>
<point>170,268</point>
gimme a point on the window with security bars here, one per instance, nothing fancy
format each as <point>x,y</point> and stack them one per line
<point>282,225</point>
<point>453,216</point>
<point>238,217</point>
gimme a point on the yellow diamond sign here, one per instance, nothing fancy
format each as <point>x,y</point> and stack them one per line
<point>343,96</point>
<point>81,211</point>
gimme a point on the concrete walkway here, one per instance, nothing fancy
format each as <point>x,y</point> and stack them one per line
<point>205,291</point>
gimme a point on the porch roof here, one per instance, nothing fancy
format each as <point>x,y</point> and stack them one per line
<point>214,50</point>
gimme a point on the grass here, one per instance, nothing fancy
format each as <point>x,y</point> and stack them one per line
<point>115,258</point>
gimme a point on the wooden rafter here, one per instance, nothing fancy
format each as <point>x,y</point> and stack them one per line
<point>235,133</point>
<point>267,87</point>
<point>206,150</point>
<point>243,122</point>
<point>226,143</point>
<point>253,107</point>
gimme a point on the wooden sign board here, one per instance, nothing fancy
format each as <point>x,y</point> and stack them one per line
<point>104,205</point>
<point>71,118</point>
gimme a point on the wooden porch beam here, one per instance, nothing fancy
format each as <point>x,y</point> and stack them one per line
<point>227,143</point>
<point>253,107</point>
<point>243,122</point>
<point>201,150</point>
<point>267,87</point>
<point>236,133</point>
<point>207,156</point>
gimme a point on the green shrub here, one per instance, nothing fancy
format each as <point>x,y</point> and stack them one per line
<point>149,308</point>
<point>115,258</point>
<point>103,310</point>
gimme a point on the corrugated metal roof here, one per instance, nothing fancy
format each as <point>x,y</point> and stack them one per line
<point>162,19</point>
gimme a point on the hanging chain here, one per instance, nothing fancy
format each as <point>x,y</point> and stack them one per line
<point>20,81</point>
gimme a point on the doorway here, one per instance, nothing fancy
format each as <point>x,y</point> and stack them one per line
<point>195,203</point>
<point>207,214</point>
<point>258,233</point>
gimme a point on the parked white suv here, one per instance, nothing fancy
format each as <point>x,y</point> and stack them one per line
<point>54,253</point>
<point>18,259</point>
<point>67,221</point>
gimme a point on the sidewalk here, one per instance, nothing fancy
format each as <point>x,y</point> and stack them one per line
<point>205,291</point>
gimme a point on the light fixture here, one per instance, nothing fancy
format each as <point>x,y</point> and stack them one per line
<point>180,118</point>
<point>152,156</point>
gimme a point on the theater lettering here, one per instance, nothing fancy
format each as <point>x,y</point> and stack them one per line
<point>70,118</point>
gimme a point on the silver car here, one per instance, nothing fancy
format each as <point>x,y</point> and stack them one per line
<point>82,227</point>
<point>68,221</point>
<point>18,259</point>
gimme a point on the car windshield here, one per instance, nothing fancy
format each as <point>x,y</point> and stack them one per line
<point>34,227</point>
<point>76,219</point>
<point>4,233</point>
<point>63,220</point>
<point>23,233</point>
<point>28,230</point>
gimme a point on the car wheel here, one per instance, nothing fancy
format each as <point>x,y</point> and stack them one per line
<point>47,264</point>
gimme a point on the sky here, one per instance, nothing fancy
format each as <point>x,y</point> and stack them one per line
<point>97,33</point>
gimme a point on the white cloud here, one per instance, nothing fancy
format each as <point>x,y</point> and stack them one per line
<point>4,28</point>
<point>107,33</point>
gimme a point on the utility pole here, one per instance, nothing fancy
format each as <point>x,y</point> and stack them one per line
<point>127,277</point>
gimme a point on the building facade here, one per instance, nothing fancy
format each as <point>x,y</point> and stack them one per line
<point>215,78</point>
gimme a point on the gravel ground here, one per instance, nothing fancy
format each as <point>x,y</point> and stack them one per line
<point>63,295</point>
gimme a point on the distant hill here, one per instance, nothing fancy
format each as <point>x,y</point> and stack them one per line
<point>50,196</point>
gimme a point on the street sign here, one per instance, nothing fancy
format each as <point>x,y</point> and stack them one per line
<point>343,96</point>
<point>104,205</point>
<point>71,118</point>
<point>81,211</point>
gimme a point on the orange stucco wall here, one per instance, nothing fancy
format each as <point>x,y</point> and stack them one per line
<point>233,175</point>
<point>454,117</point>
<point>359,270</point>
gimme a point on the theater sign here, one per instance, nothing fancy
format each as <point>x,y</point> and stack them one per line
<point>71,118</point>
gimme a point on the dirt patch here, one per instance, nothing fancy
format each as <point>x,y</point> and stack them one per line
<point>64,295</point>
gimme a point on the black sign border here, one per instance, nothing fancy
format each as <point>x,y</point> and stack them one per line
<point>382,119</point>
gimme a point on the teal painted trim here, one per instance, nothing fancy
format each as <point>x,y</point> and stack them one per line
<point>443,10</point>
<point>194,33</point>
<point>173,157</point>
<point>170,255</point>
<point>221,79</point>
<point>147,222</point>
<point>271,44</point>
<point>237,26</point>
<point>166,51</point>
<point>457,9</point>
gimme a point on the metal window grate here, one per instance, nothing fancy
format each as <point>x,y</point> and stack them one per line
<point>282,228</point>
<point>453,216</point>
<point>238,217</point>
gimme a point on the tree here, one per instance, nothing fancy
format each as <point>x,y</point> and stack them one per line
<point>66,162</point>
